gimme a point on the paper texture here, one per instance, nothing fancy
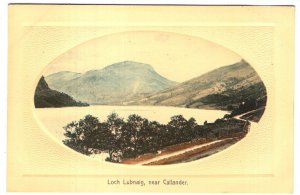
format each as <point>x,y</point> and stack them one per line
<point>45,39</point>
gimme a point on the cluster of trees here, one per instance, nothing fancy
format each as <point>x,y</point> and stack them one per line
<point>135,136</point>
<point>238,101</point>
<point>245,106</point>
<point>248,105</point>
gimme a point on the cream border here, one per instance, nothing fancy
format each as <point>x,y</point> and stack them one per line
<point>281,18</point>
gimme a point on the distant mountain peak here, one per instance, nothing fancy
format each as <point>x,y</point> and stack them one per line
<point>117,83</point>
<point>64,72</point>
<point>129,64</point>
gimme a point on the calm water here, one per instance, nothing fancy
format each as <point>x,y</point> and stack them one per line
<point>54,119</point>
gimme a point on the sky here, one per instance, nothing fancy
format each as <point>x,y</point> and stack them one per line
<point>175,56</point>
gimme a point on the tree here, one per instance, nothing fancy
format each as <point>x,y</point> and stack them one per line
<point>80,135</point>
<point>115,126</point>
<point>103,138</point>
<point>176,128</point>
<point>136,135</point>
<point>134,124</point>
<point>189,130</point>
<point>158,133</point>
<point>145,138</point>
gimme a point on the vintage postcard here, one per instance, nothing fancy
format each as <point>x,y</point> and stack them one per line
<point>131,98</point>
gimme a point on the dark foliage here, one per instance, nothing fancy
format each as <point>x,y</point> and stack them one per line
<point>128,139</point>
<point>254,115</point>
<point>239,102</point>
<point>45,97</point>
<point>254,96</point>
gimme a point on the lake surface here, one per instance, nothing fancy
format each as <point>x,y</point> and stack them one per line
<point>54,119</point>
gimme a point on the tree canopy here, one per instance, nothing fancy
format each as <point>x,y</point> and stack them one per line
<point>136,135</point>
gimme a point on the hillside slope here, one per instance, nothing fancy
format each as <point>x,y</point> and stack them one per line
<point>224,88</point>
<point>45,97</point>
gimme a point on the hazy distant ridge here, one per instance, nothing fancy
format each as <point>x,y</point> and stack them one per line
<point>114,84</point>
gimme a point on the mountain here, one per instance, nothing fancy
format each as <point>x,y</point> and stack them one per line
<point>224,88</point>
<point>45,97</point>
<point>114,84</point>
<point>56,79</point>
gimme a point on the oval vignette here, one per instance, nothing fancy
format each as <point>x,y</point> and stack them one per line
<point>149,98</point>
